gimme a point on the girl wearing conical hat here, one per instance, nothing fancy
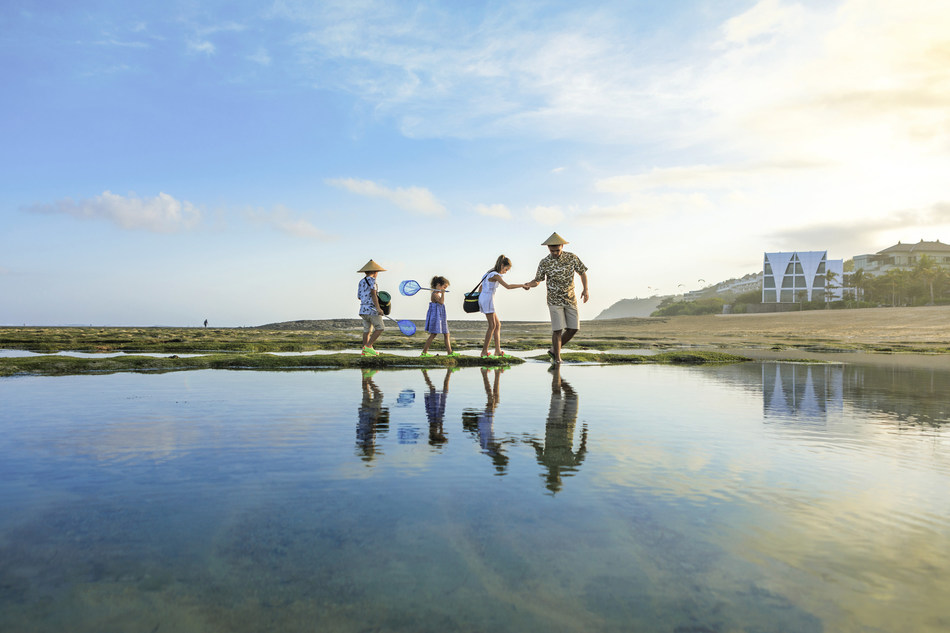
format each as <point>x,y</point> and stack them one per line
<point>370,311</point>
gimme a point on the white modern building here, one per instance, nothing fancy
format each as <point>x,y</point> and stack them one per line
<point>791,277</point>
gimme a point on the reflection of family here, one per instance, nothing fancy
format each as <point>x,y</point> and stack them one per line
<point>557,271</point>
<point>373,418</point>
<point>435,407</point>
<point>557,453</point>
<point>481,423</point>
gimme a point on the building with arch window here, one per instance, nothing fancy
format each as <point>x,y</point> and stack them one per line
<point>792,277</point>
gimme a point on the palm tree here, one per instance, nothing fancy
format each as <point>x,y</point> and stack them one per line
<point>928,271</point>
<point>857,280</point>
<point>895,279</point>
<point>831,284</point>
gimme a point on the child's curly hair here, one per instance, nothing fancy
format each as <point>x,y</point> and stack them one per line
<point>438,280</point>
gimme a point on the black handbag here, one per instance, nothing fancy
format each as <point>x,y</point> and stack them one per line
<point>470,302</point>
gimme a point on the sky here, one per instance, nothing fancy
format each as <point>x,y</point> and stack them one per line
<point>166,163</point>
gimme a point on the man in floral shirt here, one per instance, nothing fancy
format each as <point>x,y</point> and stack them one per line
<point>557,271</point>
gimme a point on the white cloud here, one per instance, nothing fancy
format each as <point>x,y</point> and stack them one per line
<point>547,215</point>
<point>765,19</point>
<point>161,214</point>
<point>202,46</point>
<point>413,199</point>
<point>261,57</point>
<point>282,219</point>
<point>494,211</point>
<point>514,70</point>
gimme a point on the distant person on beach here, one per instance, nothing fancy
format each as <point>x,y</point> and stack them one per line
<point>370,311</point>
<point>206,322</point>
<point>557,271</point>
<point>486,303</point>
<point>436,322</point>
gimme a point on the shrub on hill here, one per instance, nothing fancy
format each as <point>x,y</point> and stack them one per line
<point>668,307</point>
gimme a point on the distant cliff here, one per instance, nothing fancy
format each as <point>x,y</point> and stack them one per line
<point>631,308</point>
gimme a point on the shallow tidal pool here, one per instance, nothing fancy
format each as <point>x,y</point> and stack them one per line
<point>759,497</point>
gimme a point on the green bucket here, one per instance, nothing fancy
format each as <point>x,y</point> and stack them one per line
<point>385,301</point>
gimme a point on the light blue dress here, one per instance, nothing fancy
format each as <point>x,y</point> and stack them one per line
<point>436,322</point>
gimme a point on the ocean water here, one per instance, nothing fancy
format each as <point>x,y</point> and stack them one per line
<point>756,497</point>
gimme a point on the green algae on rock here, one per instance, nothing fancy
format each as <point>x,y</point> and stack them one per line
<point>698,357</point>
<point>67,365</point>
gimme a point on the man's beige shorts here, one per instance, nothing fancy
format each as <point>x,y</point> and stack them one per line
<point>372,322</point>
<point>563,317</point>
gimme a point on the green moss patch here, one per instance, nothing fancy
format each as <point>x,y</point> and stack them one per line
<point>65,365</point>
<point>664,358</point>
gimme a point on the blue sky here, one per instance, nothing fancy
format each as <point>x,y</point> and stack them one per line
<point>163,163</point>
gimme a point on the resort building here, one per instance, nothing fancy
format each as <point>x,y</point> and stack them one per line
<point>800,276</point>
<point>748,283</point>
<point>903,256</point>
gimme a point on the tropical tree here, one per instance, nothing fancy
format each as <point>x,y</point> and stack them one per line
<point>929,272</point>
<point>857,280</point>
<point>894,282</point>
<point>831,284</point>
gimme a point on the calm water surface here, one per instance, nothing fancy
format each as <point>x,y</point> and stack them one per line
<point>758,497</point>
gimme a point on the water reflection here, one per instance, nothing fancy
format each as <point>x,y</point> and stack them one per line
<point>235,501</point>
<point>480,424</point>
<point>373,418</point>
<point>556,453</point>
<point>807,392</point>
<point>813,393</point>
<point>435,407</point>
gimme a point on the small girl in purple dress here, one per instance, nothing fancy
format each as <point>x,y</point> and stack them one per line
<point>435,318</point>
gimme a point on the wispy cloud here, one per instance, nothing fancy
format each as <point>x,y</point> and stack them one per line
<point>494,211</point>
<point>202,46</point>
<point>161,214</point>
<point>783,80</point>
<point>261,56</point>
<point>908,225</point>
<point>284,220</point>
<point>547,215</point>
<point>413,199</point>
<point>512,70</point>
<point>703,177</point>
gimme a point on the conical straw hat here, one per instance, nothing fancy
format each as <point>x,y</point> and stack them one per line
<point>554,240</point>
<point>371,267</point>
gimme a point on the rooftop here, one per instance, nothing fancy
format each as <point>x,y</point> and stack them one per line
<point>919,246</point>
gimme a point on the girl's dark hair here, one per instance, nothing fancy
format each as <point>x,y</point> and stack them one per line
<point>438,280</point>
<point>502,262</point>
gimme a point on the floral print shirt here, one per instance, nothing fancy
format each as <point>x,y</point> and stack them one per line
<point>364,292</point>
<point>558,275</point>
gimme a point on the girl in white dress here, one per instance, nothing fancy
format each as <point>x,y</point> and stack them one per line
<point>486,303</point>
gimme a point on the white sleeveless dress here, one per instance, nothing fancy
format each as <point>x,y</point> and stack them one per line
<point>486,298</point>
